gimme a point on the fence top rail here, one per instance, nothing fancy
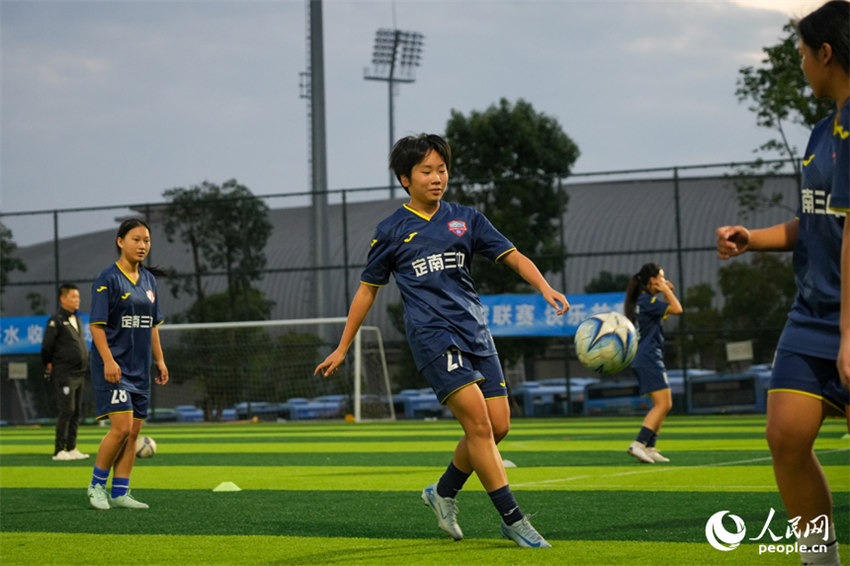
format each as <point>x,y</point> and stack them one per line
<point>254,323</point>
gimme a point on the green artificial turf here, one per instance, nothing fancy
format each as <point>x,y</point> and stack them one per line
<point>346,493</point>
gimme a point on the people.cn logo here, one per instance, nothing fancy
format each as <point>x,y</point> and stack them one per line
<point>719,537</point>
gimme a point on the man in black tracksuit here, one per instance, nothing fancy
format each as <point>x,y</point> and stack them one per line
<point>66,359</point>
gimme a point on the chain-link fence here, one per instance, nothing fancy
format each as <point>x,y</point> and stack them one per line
<point>615,222</point>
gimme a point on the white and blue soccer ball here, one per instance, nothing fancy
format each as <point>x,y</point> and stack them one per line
<point>606,342</point>
<point>145,447</point>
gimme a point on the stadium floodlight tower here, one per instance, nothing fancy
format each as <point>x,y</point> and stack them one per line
<point>396,56</point>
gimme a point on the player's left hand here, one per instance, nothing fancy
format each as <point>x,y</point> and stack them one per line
<point>557,300</point>
<point>162,378</point>
<point>331,363</point>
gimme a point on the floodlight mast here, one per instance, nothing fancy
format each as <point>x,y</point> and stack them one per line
<point>394,60</point>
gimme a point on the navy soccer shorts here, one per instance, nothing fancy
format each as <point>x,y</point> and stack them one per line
<point>815,377</point>
<point>651,379</point>
<point>111,401</point>
<point>455,370</point>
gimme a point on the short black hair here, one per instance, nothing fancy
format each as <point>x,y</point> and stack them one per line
<point>66,288</point>
<point>410,150</point>
<point>829,24</point>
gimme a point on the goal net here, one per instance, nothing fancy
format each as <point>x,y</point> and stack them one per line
<point>263,370</point>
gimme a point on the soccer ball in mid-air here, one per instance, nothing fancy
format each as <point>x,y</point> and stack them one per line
<point>145,447</point>
<point>606,342</point>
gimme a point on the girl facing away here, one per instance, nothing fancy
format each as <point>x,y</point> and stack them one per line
<point>647,312</point>
<point>427,246</point>
<point>806,380</point>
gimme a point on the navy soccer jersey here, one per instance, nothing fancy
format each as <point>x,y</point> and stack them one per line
<point>812,326</point>
<point>430,259</point>
<point>128,312</point>
<point>650,311</point>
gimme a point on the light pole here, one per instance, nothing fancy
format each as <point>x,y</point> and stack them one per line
<point>394,60</point>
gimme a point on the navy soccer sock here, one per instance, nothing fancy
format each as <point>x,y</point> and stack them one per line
<point>120,486</point>
<point>451,481</point>
<point>506,504</point>
<point>651,443</point>
<point>99,476</point>
<point>645,435</point>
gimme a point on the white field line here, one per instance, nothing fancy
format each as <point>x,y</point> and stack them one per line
<point>653,469</point>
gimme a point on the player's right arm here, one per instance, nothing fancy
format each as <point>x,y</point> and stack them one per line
<point>735,240</point>
<point>111,369</point>
<point>674,306</point>
<point>363,300</point>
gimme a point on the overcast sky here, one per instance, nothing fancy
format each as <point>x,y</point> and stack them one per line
<point>113,102</point>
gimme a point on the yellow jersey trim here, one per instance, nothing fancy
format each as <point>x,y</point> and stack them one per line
<point>807,394</point>
<point>443,400</point>
<point>373,284</point>
<point>125,274</point>
<point>503,254</point>
<point>496,397</point>
<point>656,391</point>
<point>419,214</point>
<point>101,417</point>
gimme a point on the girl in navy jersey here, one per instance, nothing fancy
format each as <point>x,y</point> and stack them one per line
<point>427,246</point>
<point>647,311</point>
<point>124,318</point>
<point>805,386</point>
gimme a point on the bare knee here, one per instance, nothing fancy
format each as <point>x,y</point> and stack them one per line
<point>500,430</point>
<point>478,429</point>
<point>664,406</point>
<point>121,431</point>
<point>786,447</point>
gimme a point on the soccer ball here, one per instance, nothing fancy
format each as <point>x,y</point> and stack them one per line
<point>606,342</point>
<point>145,447</point>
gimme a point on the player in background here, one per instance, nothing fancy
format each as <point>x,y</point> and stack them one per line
<point>427,246</point>
<point>805,386</point>
<point>124,318</point>
<point>66,361</point>
<point>643,307</point>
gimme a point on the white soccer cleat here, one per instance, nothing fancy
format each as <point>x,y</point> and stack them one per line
<point>445,508</point>
<point>98,498</point>
<point>62,456</point>
<point>77,455</point>
<point>639,451</point>
<point>656,455</point>
<point>127,501</point>
<point>524,534</point>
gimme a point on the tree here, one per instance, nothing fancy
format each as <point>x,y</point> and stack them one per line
<point>705,323</point>
<point>38,303</point>
<point>219,307</point>
<point>607,282</point>
<point>225,228</point>
<point>780,96</point>
<point>8,261</point>
<point>508,162</point>
<point>757,298</point>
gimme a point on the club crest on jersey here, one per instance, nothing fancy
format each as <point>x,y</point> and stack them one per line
<point>458,227</point>
<point>150,295</point>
